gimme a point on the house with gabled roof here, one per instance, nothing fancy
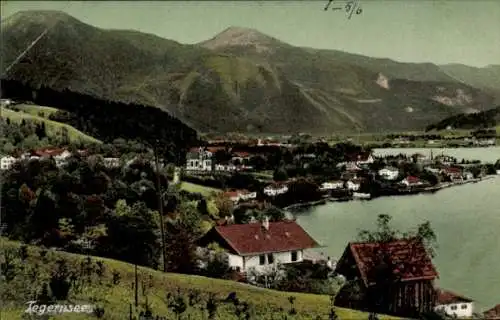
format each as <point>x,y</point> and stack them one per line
<point>7,161</point>
<point>260,246</point>
<point>404,270</point>
<point>493,313</point>
<point>453,304</point>
<point>200,159</point>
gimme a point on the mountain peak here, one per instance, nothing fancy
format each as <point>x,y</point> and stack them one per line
<point>240,36</point>
<point>38,17</point>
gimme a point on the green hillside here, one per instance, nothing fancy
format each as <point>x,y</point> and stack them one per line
<point>40,114</point>
<point>102,289</point>
<point>480,120</point>
<point>229,84</point>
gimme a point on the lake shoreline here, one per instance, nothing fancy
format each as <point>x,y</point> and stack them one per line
<point>427,190</point>
<point>465,221</point>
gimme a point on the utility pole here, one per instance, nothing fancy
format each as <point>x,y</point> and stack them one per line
<point>136,293</point>
<point>160,206</point>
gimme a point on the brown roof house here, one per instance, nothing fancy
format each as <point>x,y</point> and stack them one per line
<point>453,304</point>
<point>260,246</point>
<point>395,277</point>
<point>493,313</point>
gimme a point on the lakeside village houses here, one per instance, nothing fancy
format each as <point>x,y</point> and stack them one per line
<point>59,155</point>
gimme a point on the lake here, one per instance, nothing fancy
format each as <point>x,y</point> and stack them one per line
<point>465,218</point>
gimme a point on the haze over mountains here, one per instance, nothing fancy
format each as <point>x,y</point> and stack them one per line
<point>243,80</point>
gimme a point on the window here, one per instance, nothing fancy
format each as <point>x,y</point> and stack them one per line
<point>454,307</point>
<point>294,255</point>
<point>262,259</point>
<point>270,258</point>
<point>464,306</point>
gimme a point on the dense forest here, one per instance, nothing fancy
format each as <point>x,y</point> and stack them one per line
<point>107,120</point>
<point>480,120</point>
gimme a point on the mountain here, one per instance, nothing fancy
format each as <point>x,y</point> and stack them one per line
<point>487,78</point>
<point>240,80</point>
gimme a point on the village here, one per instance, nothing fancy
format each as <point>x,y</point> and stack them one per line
<point>356,174</point>
<point>303,175</point>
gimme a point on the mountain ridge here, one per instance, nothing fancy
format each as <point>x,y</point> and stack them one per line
<point>239,80</point>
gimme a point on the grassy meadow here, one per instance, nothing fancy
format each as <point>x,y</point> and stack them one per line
<point>40,114</point>
<point>196,188</point>
<point>33,269</point>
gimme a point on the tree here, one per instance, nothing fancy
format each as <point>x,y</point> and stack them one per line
<point>181,233</point>
<point>280,175</point>
<point>224,205</point>
<point>132,235</point>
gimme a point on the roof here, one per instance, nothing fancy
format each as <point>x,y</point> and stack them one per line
<point>215,149</point>
<point>232,194</point>
<point>242,154</point>
<point>452,170</point>
<point>389,168</point>
<point>48,152</point>
<point>493,313</point>
<point>252,238</point>
<point>412,179</point>
<point>448,297</point>
<point>360,156</point>
<point>408,257</point>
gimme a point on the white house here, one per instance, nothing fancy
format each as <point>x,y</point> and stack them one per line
<point>353,184</point>
<point>411,181</point>
<point>6,162</point>
<point>275,189</point>
<point>446,160</point>
<point>247,195</point>
<point>332,185</point>
<point>389,173</point>
<point>62,158</point>
<point>261,246</point>
<point>454,305</point>
<point>199,159</point>
<point>5,102</point>
<point>240,195</point>
<point>225,167</point>
<point>111,162</point>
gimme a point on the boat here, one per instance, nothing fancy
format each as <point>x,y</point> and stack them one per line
<point>359,195</point>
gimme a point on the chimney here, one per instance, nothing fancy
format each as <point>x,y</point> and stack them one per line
<point>265,223</point>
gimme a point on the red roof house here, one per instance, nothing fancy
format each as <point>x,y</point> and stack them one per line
<point>47,152</point>
<point>241,154</point>
<point>448,297</point>
<point>411,181</point>
<point>404,266</point>
<point>261,244</point>
<point>493,313</point>
<point>454,305</point>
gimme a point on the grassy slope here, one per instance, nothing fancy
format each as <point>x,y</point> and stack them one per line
<point>116,298</point>
<point>196,188</point>
<point>31,113</point>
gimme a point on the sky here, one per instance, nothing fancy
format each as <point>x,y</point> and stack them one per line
<point>455,31</point>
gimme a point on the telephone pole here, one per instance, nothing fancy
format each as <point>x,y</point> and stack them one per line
<point>160,206</point>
